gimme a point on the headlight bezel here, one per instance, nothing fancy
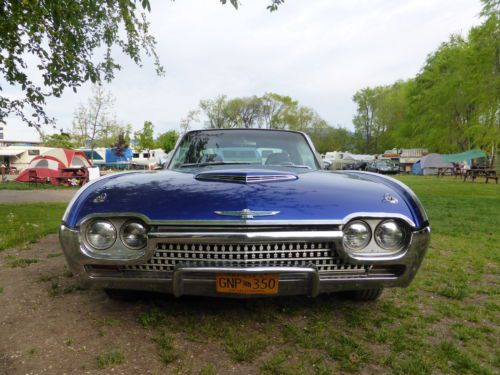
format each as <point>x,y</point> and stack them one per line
<point>402,242</point>
<point>123,228</point>
<point>373,251</point>
<point>118,252</point>
<point>91,226</point>
<point>366,242</point>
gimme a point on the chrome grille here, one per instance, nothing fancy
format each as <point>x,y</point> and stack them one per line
<point>321,254</point>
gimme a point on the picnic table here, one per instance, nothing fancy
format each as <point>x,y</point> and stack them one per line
<point>488,174</point>
<point>73,176</point>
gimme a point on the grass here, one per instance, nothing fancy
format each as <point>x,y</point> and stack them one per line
<point>447,321</point>
<point>110,359</point>
<point>15,262</point>
<point>26,223</point>
<point>14,185</point>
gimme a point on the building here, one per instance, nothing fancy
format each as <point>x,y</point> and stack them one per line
<point>406,156</point>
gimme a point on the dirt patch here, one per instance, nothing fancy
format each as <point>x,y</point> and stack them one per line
<point>48,325</point>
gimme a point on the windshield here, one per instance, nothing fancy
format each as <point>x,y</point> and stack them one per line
<point>248,147</point>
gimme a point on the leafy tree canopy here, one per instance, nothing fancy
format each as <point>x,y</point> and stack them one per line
<point>47,46</point>
<point>167,140</point>
<point>62,140</point>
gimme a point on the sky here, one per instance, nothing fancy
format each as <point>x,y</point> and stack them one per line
<point>319,52</point>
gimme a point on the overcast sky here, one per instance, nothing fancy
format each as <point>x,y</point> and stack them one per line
<point>320,52</point>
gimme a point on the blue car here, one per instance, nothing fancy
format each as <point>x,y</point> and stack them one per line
<point>245,213</point>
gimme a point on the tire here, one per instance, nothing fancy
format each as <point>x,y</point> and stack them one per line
<point>366,294</point>
<point>123,295</point>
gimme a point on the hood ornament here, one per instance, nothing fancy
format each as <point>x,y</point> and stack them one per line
<point>247,214</point>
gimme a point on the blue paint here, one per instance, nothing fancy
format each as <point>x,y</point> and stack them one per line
<point>174,195</point>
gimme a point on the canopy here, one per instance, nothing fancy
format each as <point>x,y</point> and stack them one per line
<point>7,152</point>
<point>462,156</point>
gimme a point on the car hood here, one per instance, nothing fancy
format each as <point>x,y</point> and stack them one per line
<point>177,196</point>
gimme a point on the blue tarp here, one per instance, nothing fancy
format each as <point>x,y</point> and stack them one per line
<point>111,156</point>
<point>416,169</point>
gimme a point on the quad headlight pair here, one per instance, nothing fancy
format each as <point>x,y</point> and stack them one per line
<point>102,234</point>
<point>390,237</point>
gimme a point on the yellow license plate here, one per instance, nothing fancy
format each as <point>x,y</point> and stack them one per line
<point>248,284</point>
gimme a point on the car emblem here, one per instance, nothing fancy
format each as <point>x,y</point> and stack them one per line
<point>100,198</point>
<point>388,198</point>
<point>246,213</point>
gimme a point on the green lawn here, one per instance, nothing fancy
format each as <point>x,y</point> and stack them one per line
<point>28,222</point>
<point>14,185</point>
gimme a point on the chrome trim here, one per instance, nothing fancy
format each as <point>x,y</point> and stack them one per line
<point>247,213</point>
<point>207,176</point>
<point>345,220</point>
<point>230,237</point>
<point>409,261</point>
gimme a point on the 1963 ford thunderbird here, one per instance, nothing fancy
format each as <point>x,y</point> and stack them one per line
<point>245,212</point>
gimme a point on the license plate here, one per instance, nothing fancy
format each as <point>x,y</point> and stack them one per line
<point>248,284</point>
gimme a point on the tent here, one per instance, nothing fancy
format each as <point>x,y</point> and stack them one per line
<point>53,163</point>
<point>430,163</point>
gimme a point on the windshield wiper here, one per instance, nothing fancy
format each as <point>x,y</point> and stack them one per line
<point>190,165</point>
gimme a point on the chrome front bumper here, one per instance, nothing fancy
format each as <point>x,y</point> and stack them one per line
<point>193,279</point>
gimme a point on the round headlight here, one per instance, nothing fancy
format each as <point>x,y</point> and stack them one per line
<point>134,235</point>
<point>101,235</point>
<point>357,235</point>
<point>390,235</point>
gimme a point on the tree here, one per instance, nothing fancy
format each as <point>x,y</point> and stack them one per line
<point>186,122</point>
<point>121,144</point>
<point>167,140</point>
<point>89,120</point>
<point>62,40</point>
<point>62,140</point>
<point>214,110</point>
<point>275,108</point>
<point>144,139</point>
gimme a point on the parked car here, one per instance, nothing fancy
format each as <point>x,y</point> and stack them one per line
<point>355,166</point>
<point>383,166</point>
<point>242,227</point>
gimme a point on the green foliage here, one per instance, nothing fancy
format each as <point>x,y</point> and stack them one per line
<point>271,111</point>
<point>62,38</point>
<point>62,140</point>
<point>144,139</point>
<point>167,140</point>
<point>452,105</point>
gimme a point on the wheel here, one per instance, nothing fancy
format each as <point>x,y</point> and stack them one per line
<point>123,295</point>
<point>366,294</point>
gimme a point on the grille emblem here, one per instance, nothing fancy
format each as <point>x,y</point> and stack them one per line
<point>246,213</point>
